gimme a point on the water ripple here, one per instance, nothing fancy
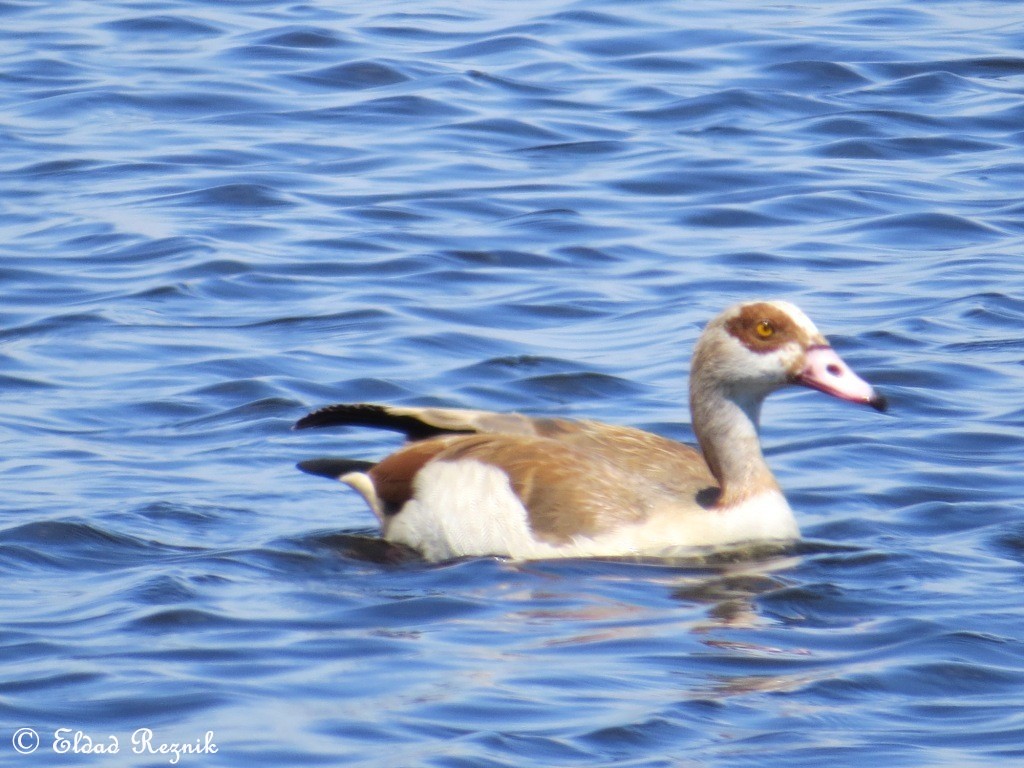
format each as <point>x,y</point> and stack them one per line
<point>218,216</point>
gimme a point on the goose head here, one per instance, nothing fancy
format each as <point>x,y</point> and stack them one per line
<point>745,354</point>
<point>753,349</point>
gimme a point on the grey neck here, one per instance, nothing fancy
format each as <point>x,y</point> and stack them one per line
<point>726,426</point>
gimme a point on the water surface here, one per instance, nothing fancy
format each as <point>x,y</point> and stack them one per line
<point>217,216</point>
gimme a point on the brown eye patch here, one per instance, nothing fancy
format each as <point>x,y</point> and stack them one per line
<point>762,327</point>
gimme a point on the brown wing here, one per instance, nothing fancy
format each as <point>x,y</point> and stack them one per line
<point>586,485</point>
<point>662,461</point>
<point>665,464</point>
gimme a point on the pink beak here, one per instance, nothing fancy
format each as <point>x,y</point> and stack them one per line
<point>825,370</point>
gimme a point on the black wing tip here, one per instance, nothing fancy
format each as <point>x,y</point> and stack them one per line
<point>343,413</point>
<point>333,468</point>
<point>879,402</point>
<point>374,417</point>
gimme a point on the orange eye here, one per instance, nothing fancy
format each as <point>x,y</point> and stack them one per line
<point>765,329</point>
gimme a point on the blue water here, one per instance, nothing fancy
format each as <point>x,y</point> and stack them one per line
<point>217,216</point>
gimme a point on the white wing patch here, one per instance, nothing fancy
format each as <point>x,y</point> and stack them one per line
<point>462,508</point>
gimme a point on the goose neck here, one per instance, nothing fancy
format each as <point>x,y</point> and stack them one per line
<point>726,426</point>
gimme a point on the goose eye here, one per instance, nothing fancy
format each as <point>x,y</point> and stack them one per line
<point>765,329</point>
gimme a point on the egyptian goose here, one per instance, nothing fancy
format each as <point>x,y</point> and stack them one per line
<point>480,483</point>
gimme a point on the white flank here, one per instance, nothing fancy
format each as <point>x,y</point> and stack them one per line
<point>680,526</point>
<point>462,508</point>
<point>468,508</point>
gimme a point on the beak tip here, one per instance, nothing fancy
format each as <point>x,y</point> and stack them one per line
<point>824,370</point>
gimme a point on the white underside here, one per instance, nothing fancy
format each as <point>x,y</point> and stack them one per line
<point>468,508</point>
